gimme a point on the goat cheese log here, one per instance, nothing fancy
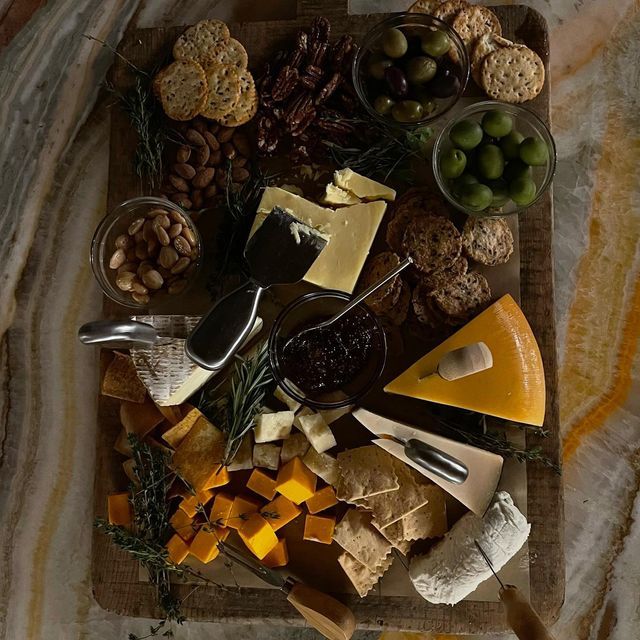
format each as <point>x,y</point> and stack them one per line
<point>454,567</point>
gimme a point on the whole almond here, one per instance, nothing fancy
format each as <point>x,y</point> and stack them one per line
<point>183,153</point>
<point>202,155</point>
<point>215,158</point>
<point>196,198</point>
<point>241,143</point>
<point>199,125</point>
<point>135,226</point>
<point>177,286</point>
<point>128,266</point>
<point>124,242</point>
<point>240,174</point>
<point>212,141</point>
<point>179,183</point>
<point>155,212</point>
<point>203,178</point>
<point>168,257</point>
<point>214,127</point>
<point>210,191</point>
<point>189,236</point>
<point>163,221</point>
<point>239,161</point>
<point>143,268</point>
<point>229,150</point>
<point>140,298</point>
<point>184,170</point>
<point>225,134</point>
<point>153,246</point>
<point>139,237</point>
<point>148,230</point>
<point>118,258</point>
<point>181,265</point>
<point>138,287</point>
<point>167,189</point>
<point>182,245</point>
<point>152,279</point>
<point>181,199</point>
<point>163,236</point>
<point>174,230</point>
<point>194,137</point>
<point>221,179</point>
<point>177,217</point>
<point>124,281</point>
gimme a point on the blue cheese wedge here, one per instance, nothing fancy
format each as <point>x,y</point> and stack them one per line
<point>361,186</point>
<point>273,426</point>
<point>338,197</point>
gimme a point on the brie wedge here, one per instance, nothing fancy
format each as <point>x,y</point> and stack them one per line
<point>454,567</point>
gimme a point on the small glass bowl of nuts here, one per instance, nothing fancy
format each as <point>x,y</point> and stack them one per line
<point>146,249</point>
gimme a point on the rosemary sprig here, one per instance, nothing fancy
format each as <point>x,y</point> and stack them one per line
<point>235,411</point>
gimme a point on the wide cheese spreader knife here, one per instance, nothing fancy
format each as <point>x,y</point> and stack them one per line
<point>281,251</point>
<point>469,474</point>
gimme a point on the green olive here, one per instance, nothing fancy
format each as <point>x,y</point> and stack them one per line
<point>516,169</point>
<point>510,144</point>
<point>421,69</point>
<point>466,134</point>
<point>476,196</point>
<point>394,43</point>
<point>435,43</point>
<point>382,104</point>
<point>452,163</point>
<point>377,67</point>
<point>490,161</point>
<point>429,106</point>
<point>500,190</point>
<point>522,191</point>
<point>497,123</point>
<point>407,111</point>
<point>534,152</point>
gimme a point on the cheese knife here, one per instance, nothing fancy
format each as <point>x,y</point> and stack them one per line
<point>281,251</point>
<point>327,615</point>
<point>469,474</point>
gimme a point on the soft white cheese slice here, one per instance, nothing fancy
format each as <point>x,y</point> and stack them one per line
<point>453,568</point>
<point>361,186</point>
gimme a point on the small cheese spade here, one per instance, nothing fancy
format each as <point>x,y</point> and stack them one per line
<point>281,251</point>
<point>463,362</point>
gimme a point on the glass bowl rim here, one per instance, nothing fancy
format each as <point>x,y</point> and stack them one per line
<point>486,105</point>
<point>420,19</point>
<point>281,380</point>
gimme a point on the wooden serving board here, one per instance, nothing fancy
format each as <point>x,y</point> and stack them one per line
<point>115,575</point>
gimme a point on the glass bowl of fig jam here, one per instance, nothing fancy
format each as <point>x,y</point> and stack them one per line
<point>329,367</point>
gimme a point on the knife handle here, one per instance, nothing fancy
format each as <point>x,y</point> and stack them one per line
<point>522,618</point>
<point>327,615</point>
<point>219,335</point>
<point>436,461</point>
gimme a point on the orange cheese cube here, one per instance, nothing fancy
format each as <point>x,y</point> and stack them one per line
<point>319,528</point>
<point>278,556</point>
<point>218,478</point>
<point>262,483</point>
<point>221,509</point>
<point>205,545</point>
<point>191,504</point>
<point>296,481</point>
<point>259,537</point>
<point>243,507</point>
<point>182,525</point>
<point>280,512</point>
<point>222,533</point>
<point>119,509</point>
<point>177,549</point>
<point>322,499</point>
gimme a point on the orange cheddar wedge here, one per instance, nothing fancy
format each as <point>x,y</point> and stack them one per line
<point>243,507</point>
<point>205,545</point>
<point>182,525</point>
<point>322,499</point>
<point>192,504</point>
<point>278,556</point>
<point>262,483</point>
<point>279,512</point>
<point>119,509</point>
<point>218,478</point>
<point>221,509</point>
<point>177,549</point>
<point>259,537</point>
<point>319,528</point>
<point>296,481</point>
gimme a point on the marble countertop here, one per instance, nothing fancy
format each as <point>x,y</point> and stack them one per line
<point>54,158</point>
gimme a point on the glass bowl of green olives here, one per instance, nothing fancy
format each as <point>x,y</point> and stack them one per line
<point>410,69</point>
<point>494,159</point>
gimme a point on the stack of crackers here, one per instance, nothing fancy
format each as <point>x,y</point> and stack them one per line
<point>505,70</point>
<point>209,77</point>
<point>394,505</point>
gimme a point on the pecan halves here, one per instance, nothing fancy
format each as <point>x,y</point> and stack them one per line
<point>341,51</point>
<point>300,51</point>
<point>300,113</point>
<point>320,30</point>
<point>311,77</point>
<point>327,90</point>
<point>284,84</point>
<point>317,54</point>
<point>334,127</point>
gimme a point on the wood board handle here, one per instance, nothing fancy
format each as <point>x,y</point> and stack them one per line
<point>524,621</point>
<point>327,615</point>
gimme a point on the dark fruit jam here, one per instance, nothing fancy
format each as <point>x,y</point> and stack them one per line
<point>327,359</point>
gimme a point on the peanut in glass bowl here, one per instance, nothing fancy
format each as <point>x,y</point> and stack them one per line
<point>116,226</point>
<point>414,25</point>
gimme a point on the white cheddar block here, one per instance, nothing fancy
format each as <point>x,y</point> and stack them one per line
<point>361,186</point>
<point>331,415</point>
<point>285,398</point>
<point>295,446</point>
<point>305,411</point>
<point>351,232</point>
<point>266,456</point>
<point>244,457</point>
<point>273,426</point>
<point>338,197</point>
<point>323,465</point>
<point>317,431</point>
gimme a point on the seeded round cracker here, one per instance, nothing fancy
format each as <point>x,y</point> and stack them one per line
<point>486,44</point>
<point>182,89</point>
<point>474,21</point>
<point>377,267</point>
<point>247,104</point>
<point>398,313</point>
<point>423,308</point>
<point>462,297</point>
<point>230,52</point>
<point>424,6</point>
<point>449,9</point>
<point>224,90</point>
<point>438,279</point>
<point>197,42</point>
<point>433,242</point>
<point>487,240</point>
<point>512,74</point>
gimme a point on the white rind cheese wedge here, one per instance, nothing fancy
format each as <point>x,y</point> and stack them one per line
<point>273,426</point>
<point>351,232</point>
<point>317,431</point>
<point>453,568</point>
<point>361,186</point>
<point>338,197</point>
